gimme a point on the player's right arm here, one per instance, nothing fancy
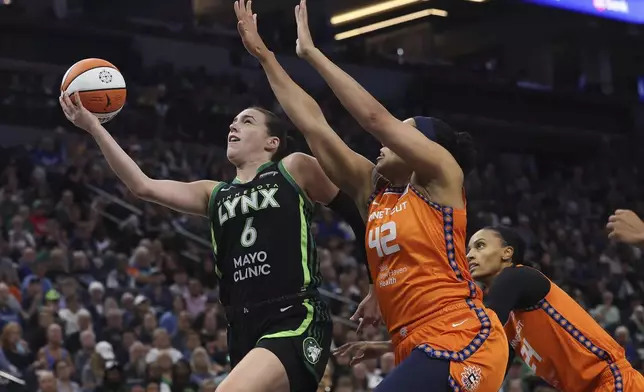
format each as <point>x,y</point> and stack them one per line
<point>190,198</point>
<point>350,171</point>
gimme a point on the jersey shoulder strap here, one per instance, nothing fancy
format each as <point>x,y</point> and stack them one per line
<point>213,195</point>
<point>304,197</point>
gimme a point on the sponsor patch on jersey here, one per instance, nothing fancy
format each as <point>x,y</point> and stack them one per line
<point>270,173</point>
<point>471,378</point>
<point>312,350</point>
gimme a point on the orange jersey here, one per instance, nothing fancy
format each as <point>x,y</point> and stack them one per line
<point>563,345</point>
<point>416,253</point>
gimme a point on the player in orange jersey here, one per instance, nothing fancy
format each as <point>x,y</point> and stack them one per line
<point>555,336</point>
<point>415,208</point>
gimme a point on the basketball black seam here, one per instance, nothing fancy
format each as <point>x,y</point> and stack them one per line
<point>102,89</point>
<point>103,114</point>
<point>89,69</point>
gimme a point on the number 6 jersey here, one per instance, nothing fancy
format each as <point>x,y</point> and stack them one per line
<point>261,238</point>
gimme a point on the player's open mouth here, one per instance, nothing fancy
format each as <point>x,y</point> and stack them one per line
<point>473,266</point>
<point>379,157</point>
<point>232,139</point>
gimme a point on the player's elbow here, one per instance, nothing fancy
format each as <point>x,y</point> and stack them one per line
<point>375,120</point>
<point>143,189</point>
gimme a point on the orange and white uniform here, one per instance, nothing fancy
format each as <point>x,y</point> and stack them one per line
<point>566,347</point>
<point>416,252</point>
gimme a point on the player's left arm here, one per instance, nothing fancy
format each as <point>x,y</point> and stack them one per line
<point>430,161</point>
<point>516,288</point>
<point>311,178</point>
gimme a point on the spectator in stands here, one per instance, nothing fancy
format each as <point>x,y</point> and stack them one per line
<point>201,366</point>
<point>15,356</point>
<point>73,341</point>
<point>189,344</point>
<point>161,344</point>
<point>180,285</point>
<point>96,292</point>
<point>195,298</point>
<point>636,324</point>
<point>113,380</point>
<point>142,307</point>
<point>147,330</point>
<point>606,313</point>
<point>19,237</point>
<point>63,373</point>
<point>181,330</point>
<point>136,365</point>
<point>210,327</point>
<point>83,356</point>
<point>46,381</point>
<point>8,313</point>
<point>622,336</point>
<point>71,313</point>
<point>182,377</point>
<point>119,277</point>
<point>53,351</point>
<point>158,292</point>
<point>164,362</point>
<point>113,326</point>
<point>169,319</point>
<point>94,371</point>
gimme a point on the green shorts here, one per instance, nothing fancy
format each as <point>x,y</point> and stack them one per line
<point>298,331</point>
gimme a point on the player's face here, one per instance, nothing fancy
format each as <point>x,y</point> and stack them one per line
<point>487,255</point>
<point>389,165</point>
<point>248,137</point>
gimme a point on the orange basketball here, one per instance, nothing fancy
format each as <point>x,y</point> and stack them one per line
<point>100,85</point>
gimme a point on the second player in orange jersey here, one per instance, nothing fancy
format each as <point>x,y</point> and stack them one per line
<point>553,335</point>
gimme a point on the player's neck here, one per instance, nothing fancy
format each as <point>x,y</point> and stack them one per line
<point>248,170</point>
<point>398,180</point>
<point>487,281</point>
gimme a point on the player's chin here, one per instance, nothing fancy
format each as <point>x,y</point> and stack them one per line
<point>382,167</point>
<point>476,273</point>
<point>233,154</point>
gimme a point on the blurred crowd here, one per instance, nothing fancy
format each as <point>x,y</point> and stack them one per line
<point>103,292</point>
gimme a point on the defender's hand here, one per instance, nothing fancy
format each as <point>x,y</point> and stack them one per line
<point>247,28</point>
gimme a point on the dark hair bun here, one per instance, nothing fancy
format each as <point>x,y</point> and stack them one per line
<point>459,144</point>
<point>465,153</point>
<point>512,238</point>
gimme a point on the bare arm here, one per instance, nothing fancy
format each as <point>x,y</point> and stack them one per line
<point>429,160</point>
<point>191,198</point>
<point>308,174</point>
<point>347,169</point>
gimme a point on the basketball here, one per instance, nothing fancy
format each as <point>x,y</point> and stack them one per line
<point>100,85</point>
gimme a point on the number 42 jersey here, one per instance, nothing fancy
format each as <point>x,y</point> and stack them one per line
<point>261,238</point>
